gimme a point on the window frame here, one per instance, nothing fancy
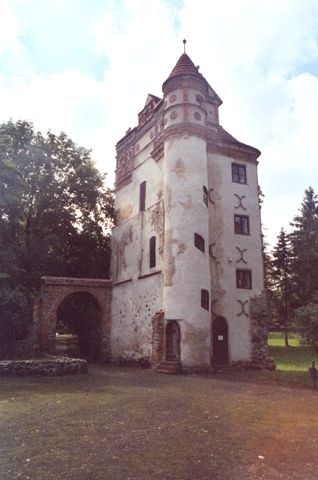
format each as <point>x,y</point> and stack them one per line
<point>237,176</point>
<point>240,226</point>
<point>142,196</point>
<point>244,279</point>
<point>205,299</point>
<point>152,252</point>
<point>199,242</point>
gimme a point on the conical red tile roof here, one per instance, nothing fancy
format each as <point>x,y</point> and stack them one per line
<point>184,66</point>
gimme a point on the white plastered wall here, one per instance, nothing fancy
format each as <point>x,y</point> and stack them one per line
<point>186,269</point>
<point>223,267</point>
<point>137,290</point>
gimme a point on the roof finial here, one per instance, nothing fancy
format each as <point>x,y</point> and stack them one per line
<point>184,45</point>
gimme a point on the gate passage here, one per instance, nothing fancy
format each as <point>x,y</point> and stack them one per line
<point>54,290</point>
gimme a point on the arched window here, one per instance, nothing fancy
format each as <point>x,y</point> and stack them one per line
<point>142,197</point>
<point>152,252</point>
<point>205,299</point>
<point>199,242</point>
<point>205,195</point>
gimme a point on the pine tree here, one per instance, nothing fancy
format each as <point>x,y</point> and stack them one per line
<point>282,281</point>
<point>304,245</point>
<point>269,284</point>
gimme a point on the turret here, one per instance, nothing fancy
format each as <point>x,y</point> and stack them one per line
<point>188,107</point>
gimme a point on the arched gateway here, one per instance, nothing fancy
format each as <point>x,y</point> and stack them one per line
<point>54,290</point>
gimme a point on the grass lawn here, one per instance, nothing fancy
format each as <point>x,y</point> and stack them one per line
<point>120,423</point>
<point>292,362</point>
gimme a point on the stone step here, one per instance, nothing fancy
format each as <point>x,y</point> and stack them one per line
<point>170,367</point>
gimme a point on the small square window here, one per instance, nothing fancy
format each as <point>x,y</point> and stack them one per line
<point>244,279</point>
<point>238,173</point>
<point>241,225</point>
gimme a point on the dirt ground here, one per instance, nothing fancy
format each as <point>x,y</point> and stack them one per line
<point>134,424</point>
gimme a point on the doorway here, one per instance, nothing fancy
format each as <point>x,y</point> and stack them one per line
<point>220,341</point>
<point>173,341</point>
<point>78,327</point>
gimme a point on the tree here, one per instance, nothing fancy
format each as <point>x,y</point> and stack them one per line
<point>282,281</point>
<point>306,322</point>
<point>55,210</point>
<point>15,308</point>
<point>304,246</point>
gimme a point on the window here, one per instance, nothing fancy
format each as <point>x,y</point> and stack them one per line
<point>205,299</point>
<point>205,195</point>
<point>238,173</point>
<point>199,242</point>
<point>244,279</point>
<point>241,224</point>
<point>142,197</point>
<point>152,252</point>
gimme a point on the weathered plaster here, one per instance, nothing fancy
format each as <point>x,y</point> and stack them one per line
<point>222,234</point>
<point>124,213</point>
<point>134,305</point>
<point>179,168</point>
<point>179,149</point>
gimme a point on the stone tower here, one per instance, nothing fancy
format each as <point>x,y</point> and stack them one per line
<point>186,269</point>
<point>187,251</point>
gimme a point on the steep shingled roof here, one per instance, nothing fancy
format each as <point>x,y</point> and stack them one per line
<point>184,66</point>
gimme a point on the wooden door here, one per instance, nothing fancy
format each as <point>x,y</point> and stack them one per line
<point>220,341</point>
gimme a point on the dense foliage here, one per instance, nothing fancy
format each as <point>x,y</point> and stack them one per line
<point>306,322</point>
<point>304,248</point>
<point>293,275</point>
<point>55,215</point>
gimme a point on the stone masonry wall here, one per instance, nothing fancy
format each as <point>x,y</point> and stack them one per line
<point>55,289</point>
<point>157,338</point>
<point>52,366</point>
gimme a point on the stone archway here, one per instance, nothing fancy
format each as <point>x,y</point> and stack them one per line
<point>56,289</point>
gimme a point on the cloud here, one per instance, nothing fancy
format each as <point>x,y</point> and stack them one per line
<point>136,40</point>
<point>256,55</point>
<point>10,26</point>
<point>260,57</point>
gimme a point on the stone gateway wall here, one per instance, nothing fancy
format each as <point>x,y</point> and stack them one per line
<point>56,289</point>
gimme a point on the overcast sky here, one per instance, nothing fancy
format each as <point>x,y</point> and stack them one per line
<point>86,67</point>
